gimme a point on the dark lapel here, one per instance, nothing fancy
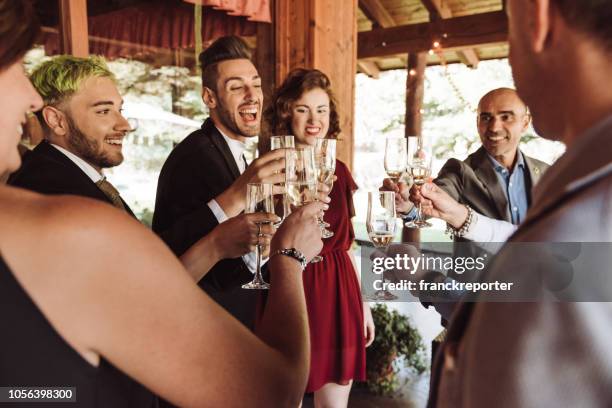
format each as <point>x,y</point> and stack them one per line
<point>45,149</point>
<point>483,168</point>
<point>534,172</point>
<point>219,142</point>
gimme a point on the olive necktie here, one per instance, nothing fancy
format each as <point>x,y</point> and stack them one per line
<point>111,192</point>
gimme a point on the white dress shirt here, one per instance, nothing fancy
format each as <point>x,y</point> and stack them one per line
<point>485,229</point>
<point>87,168</point>
<point>237,148</point>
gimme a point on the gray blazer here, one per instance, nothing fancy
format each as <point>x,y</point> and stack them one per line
<point>542,354</point>
<point>473,182</point>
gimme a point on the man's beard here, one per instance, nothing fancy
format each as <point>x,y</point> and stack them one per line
<point>88,149</point>
<point>227,120</point>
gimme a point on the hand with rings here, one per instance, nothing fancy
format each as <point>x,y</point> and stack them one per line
<point>241,234</point>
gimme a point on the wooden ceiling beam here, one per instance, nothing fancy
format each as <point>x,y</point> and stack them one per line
<point>380,17</point>
<point>370,68</point>
<point>437,9</point>
<point>376,13</point>
<point>469,57</point>
<point>458,32</point>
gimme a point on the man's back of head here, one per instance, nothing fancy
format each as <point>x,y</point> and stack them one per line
<point>592,17</point>
<point>561,56</point>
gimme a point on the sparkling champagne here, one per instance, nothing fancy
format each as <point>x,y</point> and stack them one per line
<point>394,175</point>
<point>300,193</point>
<point>380,239</point>
<point>419,174</point>
<point>325,174</point>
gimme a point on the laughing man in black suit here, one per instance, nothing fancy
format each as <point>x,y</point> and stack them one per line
<point>203,181</point>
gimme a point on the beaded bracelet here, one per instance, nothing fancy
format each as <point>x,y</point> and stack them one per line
<point>460,232</point>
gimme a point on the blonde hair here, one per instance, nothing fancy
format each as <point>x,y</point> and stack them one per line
<point>59,78</point>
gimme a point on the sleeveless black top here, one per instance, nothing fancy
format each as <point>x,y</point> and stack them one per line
<point>33,354</point>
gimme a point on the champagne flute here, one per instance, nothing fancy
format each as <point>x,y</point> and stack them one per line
<point>381,224</point>
<point>301,179</point>
<point>282,142</point>
<point>325,158</point>
<point>395,157</point>
<point>281,203</point>
<point>419,160</point>
<point>258,199</point>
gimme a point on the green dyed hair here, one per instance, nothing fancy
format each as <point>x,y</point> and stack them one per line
<point>59,78</point>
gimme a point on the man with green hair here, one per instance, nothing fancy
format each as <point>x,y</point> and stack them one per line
<point>83,128</point>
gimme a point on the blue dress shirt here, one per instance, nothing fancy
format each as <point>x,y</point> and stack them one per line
<point>514,186</point>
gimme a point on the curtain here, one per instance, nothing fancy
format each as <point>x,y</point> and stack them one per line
<point>145,29</point>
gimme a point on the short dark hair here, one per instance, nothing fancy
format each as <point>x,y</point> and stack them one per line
<point>592,17</point>
<point>19,28</point>
<point>225,48</point>
<point>300,80</point>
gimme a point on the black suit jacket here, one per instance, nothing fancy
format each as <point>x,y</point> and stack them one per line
<point>198,169</point>
<point>46,170</point>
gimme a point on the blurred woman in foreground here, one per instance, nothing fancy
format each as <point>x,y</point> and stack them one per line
<point>100,302</point>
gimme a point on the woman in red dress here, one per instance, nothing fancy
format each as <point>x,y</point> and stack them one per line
<point>341,325</point>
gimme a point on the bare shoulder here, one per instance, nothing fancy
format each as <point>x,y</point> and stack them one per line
<point>81,243</point>
<point>83,261</point>
<point>76,239</point>
<point>60,223</point>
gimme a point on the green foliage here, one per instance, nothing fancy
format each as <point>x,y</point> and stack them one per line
<point>173,88</point>
<point>434,108</point>
<point>396,341</point>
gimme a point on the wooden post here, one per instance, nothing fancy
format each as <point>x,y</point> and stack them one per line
<point>414,93</point>
<point>266,66</point>
<point>74,37</point>
<point>320,34</point>
<point>414,123</point>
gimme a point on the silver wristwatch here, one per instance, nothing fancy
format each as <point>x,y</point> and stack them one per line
<point>293,253</point>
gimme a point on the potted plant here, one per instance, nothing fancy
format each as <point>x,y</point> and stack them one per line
<point>396,341</point>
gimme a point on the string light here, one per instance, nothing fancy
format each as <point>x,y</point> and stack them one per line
<point>412,72</point>
<point>439,51</point>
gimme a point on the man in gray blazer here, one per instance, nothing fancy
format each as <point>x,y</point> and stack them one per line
<point>496,180</point>
<point>554,349</point>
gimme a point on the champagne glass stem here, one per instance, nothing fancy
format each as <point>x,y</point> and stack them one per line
<point>258,254</point>
<point>420,212</point>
